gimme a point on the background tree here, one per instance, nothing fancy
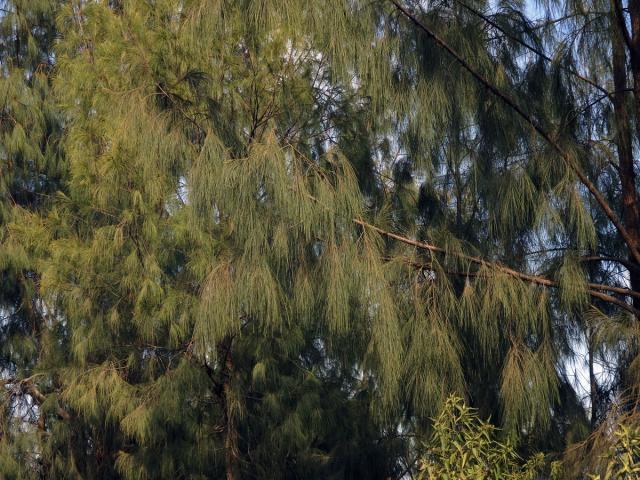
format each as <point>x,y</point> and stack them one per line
<point>32,170</point>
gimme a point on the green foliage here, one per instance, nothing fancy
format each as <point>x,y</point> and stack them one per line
<point>188,287</point>
<point>622,458</point>
<point>465,447</point>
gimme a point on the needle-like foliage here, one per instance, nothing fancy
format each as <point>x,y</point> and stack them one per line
<point>270,238</point>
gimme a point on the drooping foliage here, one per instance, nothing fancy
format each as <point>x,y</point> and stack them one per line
<point>270,238</point>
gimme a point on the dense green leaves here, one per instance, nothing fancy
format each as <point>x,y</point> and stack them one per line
<point>463,446</point>
<point>271,238</point>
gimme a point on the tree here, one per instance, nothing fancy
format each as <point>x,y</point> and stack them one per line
<point>270,238</point>
<point>195,269</point>
<point>32,171</point>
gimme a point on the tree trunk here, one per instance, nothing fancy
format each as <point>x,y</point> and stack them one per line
<point>624,133</point>
<point>232,455</point>
<point>593,384</point>
<point>634,50</point>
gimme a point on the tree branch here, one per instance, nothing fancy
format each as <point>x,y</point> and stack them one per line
<point>27,386</point>
<point>598,258</point>
<point>597,195</point>
<point>594,289</point>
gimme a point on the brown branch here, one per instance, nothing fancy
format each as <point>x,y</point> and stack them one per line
<point>27,386</point>
<point>625,263</point>
<point>594,289</point>
<point>615,301</point>
<point>597,195</point>
<point>40,398</point>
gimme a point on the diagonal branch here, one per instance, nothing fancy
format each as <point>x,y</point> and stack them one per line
<point>29,387</point>
<point>594,289</point>
<point>597,195</point>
